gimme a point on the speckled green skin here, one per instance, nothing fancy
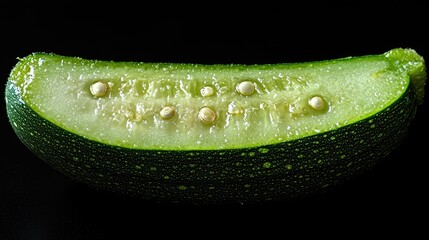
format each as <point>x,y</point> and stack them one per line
<point>281,171</point>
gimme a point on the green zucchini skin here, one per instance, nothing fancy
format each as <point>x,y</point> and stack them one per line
<point>273,172</point>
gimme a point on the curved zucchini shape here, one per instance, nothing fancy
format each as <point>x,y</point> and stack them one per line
<point>214,133</point>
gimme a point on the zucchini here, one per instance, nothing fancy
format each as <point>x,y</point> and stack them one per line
<point>210,134</point>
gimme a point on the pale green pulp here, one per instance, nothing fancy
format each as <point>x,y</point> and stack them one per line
<point>58,88</point>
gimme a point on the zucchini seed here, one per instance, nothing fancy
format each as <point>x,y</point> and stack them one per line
<point>246,88</point>
<point>316,102</point>
<point>99,89</point>
<point>167,112</point>
<point>207,115</point>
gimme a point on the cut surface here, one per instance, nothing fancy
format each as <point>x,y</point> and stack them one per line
<point>188,106</point>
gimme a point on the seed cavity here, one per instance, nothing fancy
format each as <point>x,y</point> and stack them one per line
<point>99,89</point>
<point>167,112</point>
<point>316,102</point>
<point>207,91</point>
<point>207,115</point>
<point>246,88</point>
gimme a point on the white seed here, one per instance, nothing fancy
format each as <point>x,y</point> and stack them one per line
<point>316,103</point>
<point>207,91</point>
<point>99,89</point>
<point>167,112</point>
<point>207,115</point>
<point>246,88</point>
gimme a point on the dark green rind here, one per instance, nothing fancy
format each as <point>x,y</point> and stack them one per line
<point>278,172</point>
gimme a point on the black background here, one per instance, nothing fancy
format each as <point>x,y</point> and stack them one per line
<point>37,202</point>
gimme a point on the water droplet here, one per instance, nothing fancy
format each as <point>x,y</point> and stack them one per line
<point>233,108</point>
<point>207,91</point>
